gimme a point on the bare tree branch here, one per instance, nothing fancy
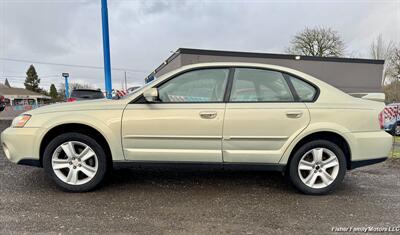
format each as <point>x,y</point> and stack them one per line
<point>318,41</point>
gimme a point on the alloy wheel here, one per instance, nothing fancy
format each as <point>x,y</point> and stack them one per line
<point>74,163</point>
<point>318,168</point>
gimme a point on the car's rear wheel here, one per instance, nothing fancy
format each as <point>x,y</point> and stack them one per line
<point>317,167</point>
<point>75,162</point>
<point>397,130</point>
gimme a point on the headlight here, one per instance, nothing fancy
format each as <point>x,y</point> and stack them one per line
<point>21,120</point>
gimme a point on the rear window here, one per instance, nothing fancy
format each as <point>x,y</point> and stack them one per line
<point>86,94</point>
<point>305,91</point>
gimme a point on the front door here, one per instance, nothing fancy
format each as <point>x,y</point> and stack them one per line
<point>262,117</point>
<point>184,125</point>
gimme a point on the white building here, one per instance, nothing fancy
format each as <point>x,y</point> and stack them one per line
<point>20,96</point>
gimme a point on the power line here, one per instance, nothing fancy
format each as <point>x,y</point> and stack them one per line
<point>16,76</point>
<point>71,65</point>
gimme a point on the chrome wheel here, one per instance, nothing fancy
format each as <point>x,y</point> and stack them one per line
<point>397,130</point>
<point>318,168</point>
<point>74,163</point>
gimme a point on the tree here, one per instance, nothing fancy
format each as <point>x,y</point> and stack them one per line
<point>380,50</point>
<point>318,41</point>
<point>392,86</point>
<point>53,92</point>
<point>32,80</point>
<point>392,92</point>
<point>6,83</point>
<point>394,63</point>
<point>72,86</point>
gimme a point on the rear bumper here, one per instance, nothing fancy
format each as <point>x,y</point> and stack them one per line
<point>360,163</point>
<point>366,147</point>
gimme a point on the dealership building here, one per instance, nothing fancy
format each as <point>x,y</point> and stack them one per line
<point>348,74</point>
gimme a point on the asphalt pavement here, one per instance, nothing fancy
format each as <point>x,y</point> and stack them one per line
<point>195,201</point>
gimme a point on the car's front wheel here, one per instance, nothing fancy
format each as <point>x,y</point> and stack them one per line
<point>317,167</point>
<point>75,162</point>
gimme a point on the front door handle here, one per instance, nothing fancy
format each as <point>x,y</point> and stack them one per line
<point>208,115</point>
<point>294,114</point>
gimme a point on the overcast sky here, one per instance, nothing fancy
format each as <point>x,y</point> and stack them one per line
<point>143,33</point>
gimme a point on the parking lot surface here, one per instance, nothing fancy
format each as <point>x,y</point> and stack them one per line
<point>202,201</point>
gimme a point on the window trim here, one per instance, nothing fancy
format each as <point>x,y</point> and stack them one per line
<point>140,99</point>
<point>296,98</point>
<point>228,89</point>
<point>317,90</point>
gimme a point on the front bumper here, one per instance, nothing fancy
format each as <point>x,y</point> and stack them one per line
<point>19,144</point>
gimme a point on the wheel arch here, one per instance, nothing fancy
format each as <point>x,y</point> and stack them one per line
<point>324,135</point>
<point>78,128</point>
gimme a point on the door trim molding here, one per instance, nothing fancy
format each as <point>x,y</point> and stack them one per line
<point>255,137</point>
<point>171,137</point>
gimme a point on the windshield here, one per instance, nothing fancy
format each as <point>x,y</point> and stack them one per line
<point>87,94</point>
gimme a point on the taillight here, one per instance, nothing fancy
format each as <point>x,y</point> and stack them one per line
<point>71,99</point>
<point>381,118</point>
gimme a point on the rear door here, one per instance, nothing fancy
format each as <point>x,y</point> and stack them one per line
<point>263,115</point>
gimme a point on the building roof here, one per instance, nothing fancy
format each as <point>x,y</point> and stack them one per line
<point>20,92</point>
<point>276,56</point>
<point>193,51</point>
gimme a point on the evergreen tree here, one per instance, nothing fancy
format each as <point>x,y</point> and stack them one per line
<point>53,92</point>
<point>32,80</point>
<point>7,84</point>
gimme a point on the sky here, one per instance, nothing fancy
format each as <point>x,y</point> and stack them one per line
<point>143,33</point>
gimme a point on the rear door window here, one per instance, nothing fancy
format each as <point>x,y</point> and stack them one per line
<point>259,85</point>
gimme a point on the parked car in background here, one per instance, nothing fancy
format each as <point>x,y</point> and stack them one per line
<point>391,116</point>
<point>224,114</point>
<point>2,103</point>
<point>85,94</point>
<point>132,89</point>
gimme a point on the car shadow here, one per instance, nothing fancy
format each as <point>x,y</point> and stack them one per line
<point>186,177</point>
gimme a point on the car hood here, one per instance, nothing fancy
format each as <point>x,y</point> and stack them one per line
<point>98,104</point>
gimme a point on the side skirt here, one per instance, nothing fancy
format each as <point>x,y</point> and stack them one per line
<point>202,165</point>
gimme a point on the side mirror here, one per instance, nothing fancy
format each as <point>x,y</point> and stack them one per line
<point>151,95</point>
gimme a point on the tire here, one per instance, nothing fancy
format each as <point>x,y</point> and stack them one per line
<point>75,162</point>
<point>397,130</point>
<point>304,169</point>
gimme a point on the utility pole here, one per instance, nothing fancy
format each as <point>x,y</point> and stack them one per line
<point>397,91</point>
<point>106,49</point>
<point>66,75</point>
<point>126,84</point>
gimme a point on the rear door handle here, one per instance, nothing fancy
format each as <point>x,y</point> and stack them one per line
<point>294,114</point>
<point>208,115</point>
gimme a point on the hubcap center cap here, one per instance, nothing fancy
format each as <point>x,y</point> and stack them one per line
<point>75,162</point>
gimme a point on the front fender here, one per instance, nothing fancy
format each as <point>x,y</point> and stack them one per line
<point>106,123</point>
